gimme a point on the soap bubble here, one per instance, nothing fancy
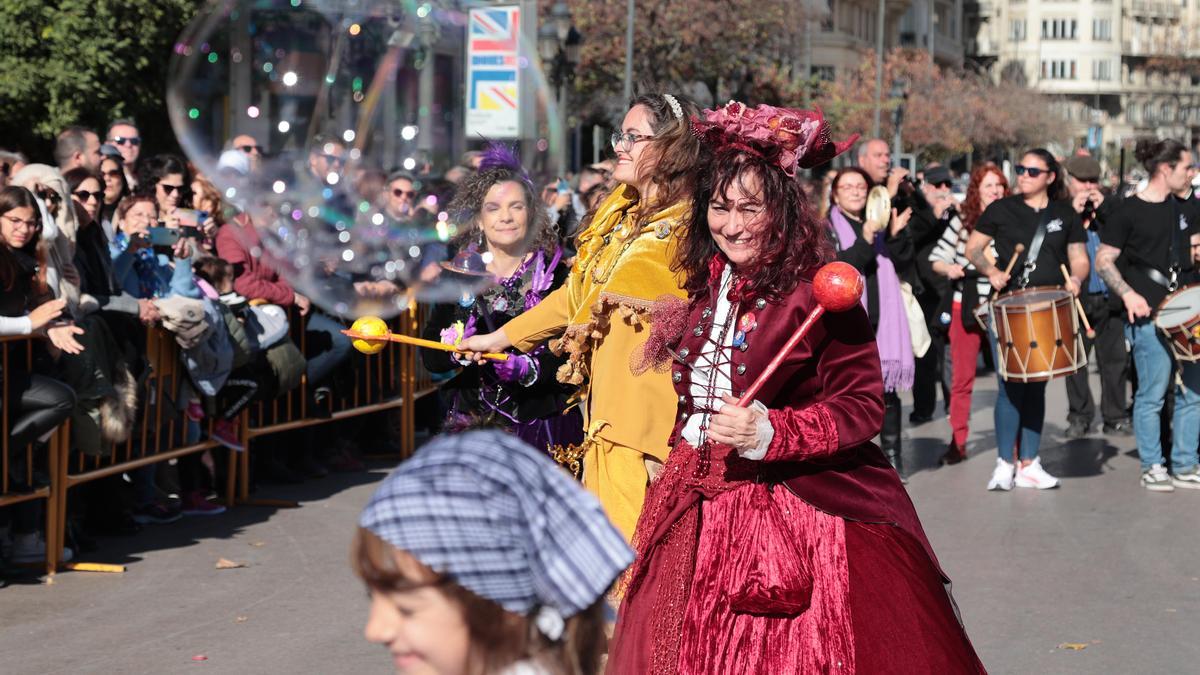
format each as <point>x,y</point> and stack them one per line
<point>338,94</point>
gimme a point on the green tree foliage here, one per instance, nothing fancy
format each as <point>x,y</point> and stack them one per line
<point>86,62</point>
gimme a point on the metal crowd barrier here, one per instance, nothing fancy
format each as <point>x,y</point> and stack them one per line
<point>381,382</point>
<point>385,381</point>
<point>14,349</point>
<point>159,434</point>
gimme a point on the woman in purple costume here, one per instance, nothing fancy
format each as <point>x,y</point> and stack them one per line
<point>504,233</point>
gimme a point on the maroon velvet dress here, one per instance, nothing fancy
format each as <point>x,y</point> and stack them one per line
<point>810,560</point>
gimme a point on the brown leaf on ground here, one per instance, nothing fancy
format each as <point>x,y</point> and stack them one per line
<point>241,619</point>
<point>1073,646</point>
<point>224,564</point>
<point>258,544</point>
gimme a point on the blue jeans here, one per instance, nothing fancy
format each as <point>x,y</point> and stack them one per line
<point>1020,411</point>
<point>327,347</point>
<point>1154,372</point>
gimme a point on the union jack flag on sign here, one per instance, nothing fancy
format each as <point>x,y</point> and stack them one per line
<point>494,30</point>
<point>494,72</point>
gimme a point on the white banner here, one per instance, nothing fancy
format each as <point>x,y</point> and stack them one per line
<point>493,73</point>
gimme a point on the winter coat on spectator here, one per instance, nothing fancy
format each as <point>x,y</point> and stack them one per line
<point>238,244</point>
<point>96,279</point>
<point>145,274</point>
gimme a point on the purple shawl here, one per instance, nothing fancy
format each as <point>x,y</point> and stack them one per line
<point>892,335</point>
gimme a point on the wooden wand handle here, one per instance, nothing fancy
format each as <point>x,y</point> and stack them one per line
<point>428,344</point>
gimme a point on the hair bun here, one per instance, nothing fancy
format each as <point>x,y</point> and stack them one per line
<point>1145,149</point>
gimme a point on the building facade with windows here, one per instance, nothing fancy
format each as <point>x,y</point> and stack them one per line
<point>936,26</point>
<point>1116,69</point>
<point>842,30</point>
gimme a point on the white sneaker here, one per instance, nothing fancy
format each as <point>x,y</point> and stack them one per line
<point>1002,477</point>
<point>1034,476</point>
<point>1156,479</point>
<point>1187,479</point>
<point>31,548</point>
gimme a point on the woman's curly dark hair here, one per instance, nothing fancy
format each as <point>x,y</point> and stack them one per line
<point>468,201</point>
<point>791,245</point>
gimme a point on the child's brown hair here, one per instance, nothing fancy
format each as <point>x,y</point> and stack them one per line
<point>499,638</point>
<point>215,271</point>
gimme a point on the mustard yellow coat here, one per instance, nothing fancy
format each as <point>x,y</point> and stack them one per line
<point>602,316</point>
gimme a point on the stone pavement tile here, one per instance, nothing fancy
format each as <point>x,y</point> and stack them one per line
<point>1099,562</point>
<point>303,609</point>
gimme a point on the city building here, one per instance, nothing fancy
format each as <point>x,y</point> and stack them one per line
<point>1116,69</point>
<point>937,26</point>
<point>843,29</point>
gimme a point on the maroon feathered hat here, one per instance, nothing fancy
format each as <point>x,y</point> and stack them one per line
<point>788,137</point>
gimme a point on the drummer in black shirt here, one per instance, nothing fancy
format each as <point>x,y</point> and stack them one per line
<point>1021,406</point>
<point>1146,252</point>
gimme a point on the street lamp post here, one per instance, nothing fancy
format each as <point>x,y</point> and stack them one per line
<point>899,91</point>
<point>559,45</point>
<point>879,28</point>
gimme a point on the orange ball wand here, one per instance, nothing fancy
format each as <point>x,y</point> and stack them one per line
<point>837,287</point>
<point>371,335</point>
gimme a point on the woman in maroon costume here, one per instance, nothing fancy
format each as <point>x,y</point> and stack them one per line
<point>777,538</point>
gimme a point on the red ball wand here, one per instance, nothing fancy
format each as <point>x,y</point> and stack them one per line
<point>837,287</point>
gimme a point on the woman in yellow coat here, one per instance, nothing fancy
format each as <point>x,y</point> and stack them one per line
<point>614,312</point>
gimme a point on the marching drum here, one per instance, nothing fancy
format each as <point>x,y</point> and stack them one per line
<point>1037,335</point>
<point>1178,316</point>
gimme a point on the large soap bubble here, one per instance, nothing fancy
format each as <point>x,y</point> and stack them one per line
<point>338,95</point>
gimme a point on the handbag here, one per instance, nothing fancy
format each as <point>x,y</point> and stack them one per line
<point>266,325</point>
<point>918,330</point>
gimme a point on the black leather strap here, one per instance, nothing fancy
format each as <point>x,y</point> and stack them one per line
<point>1035,247</point>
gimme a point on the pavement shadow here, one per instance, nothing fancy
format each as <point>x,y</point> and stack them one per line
<point>1078,458</point>
<point>190,531</point>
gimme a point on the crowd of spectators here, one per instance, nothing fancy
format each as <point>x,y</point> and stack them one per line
<point>110,240</point>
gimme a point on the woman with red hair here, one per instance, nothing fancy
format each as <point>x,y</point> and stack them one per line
<point>971,289</point>
<point>777,539</point>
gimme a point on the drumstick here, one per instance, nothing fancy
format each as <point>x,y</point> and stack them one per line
<point>428,344</point>
<point>1079,306</point>
<point>1011,261</point>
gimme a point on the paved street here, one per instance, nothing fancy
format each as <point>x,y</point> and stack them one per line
<point>1099,562</point>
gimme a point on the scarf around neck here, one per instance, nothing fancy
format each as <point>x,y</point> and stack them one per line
<point>892,335</point>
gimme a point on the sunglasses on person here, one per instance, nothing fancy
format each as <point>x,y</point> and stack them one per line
<point>84,195</point>
<point>170,189</point>
<point>946,185</point>
<point>397,192</point>
<point>333,159</point>
<point>49,196</point>
<point>251,149</point>
<point>126,140</point>
<point>1033,171</point>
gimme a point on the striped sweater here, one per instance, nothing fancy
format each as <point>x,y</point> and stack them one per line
<point>952,250</point>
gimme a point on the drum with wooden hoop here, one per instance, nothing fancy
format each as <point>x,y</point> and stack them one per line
<point>1178,316</point>
<point>1037,335</point>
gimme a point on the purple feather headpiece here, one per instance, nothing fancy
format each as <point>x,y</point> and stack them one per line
<point>500,156</point>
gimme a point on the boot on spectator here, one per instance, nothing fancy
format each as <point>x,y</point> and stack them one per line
<point>30,547</point>
<point>196,503</point>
